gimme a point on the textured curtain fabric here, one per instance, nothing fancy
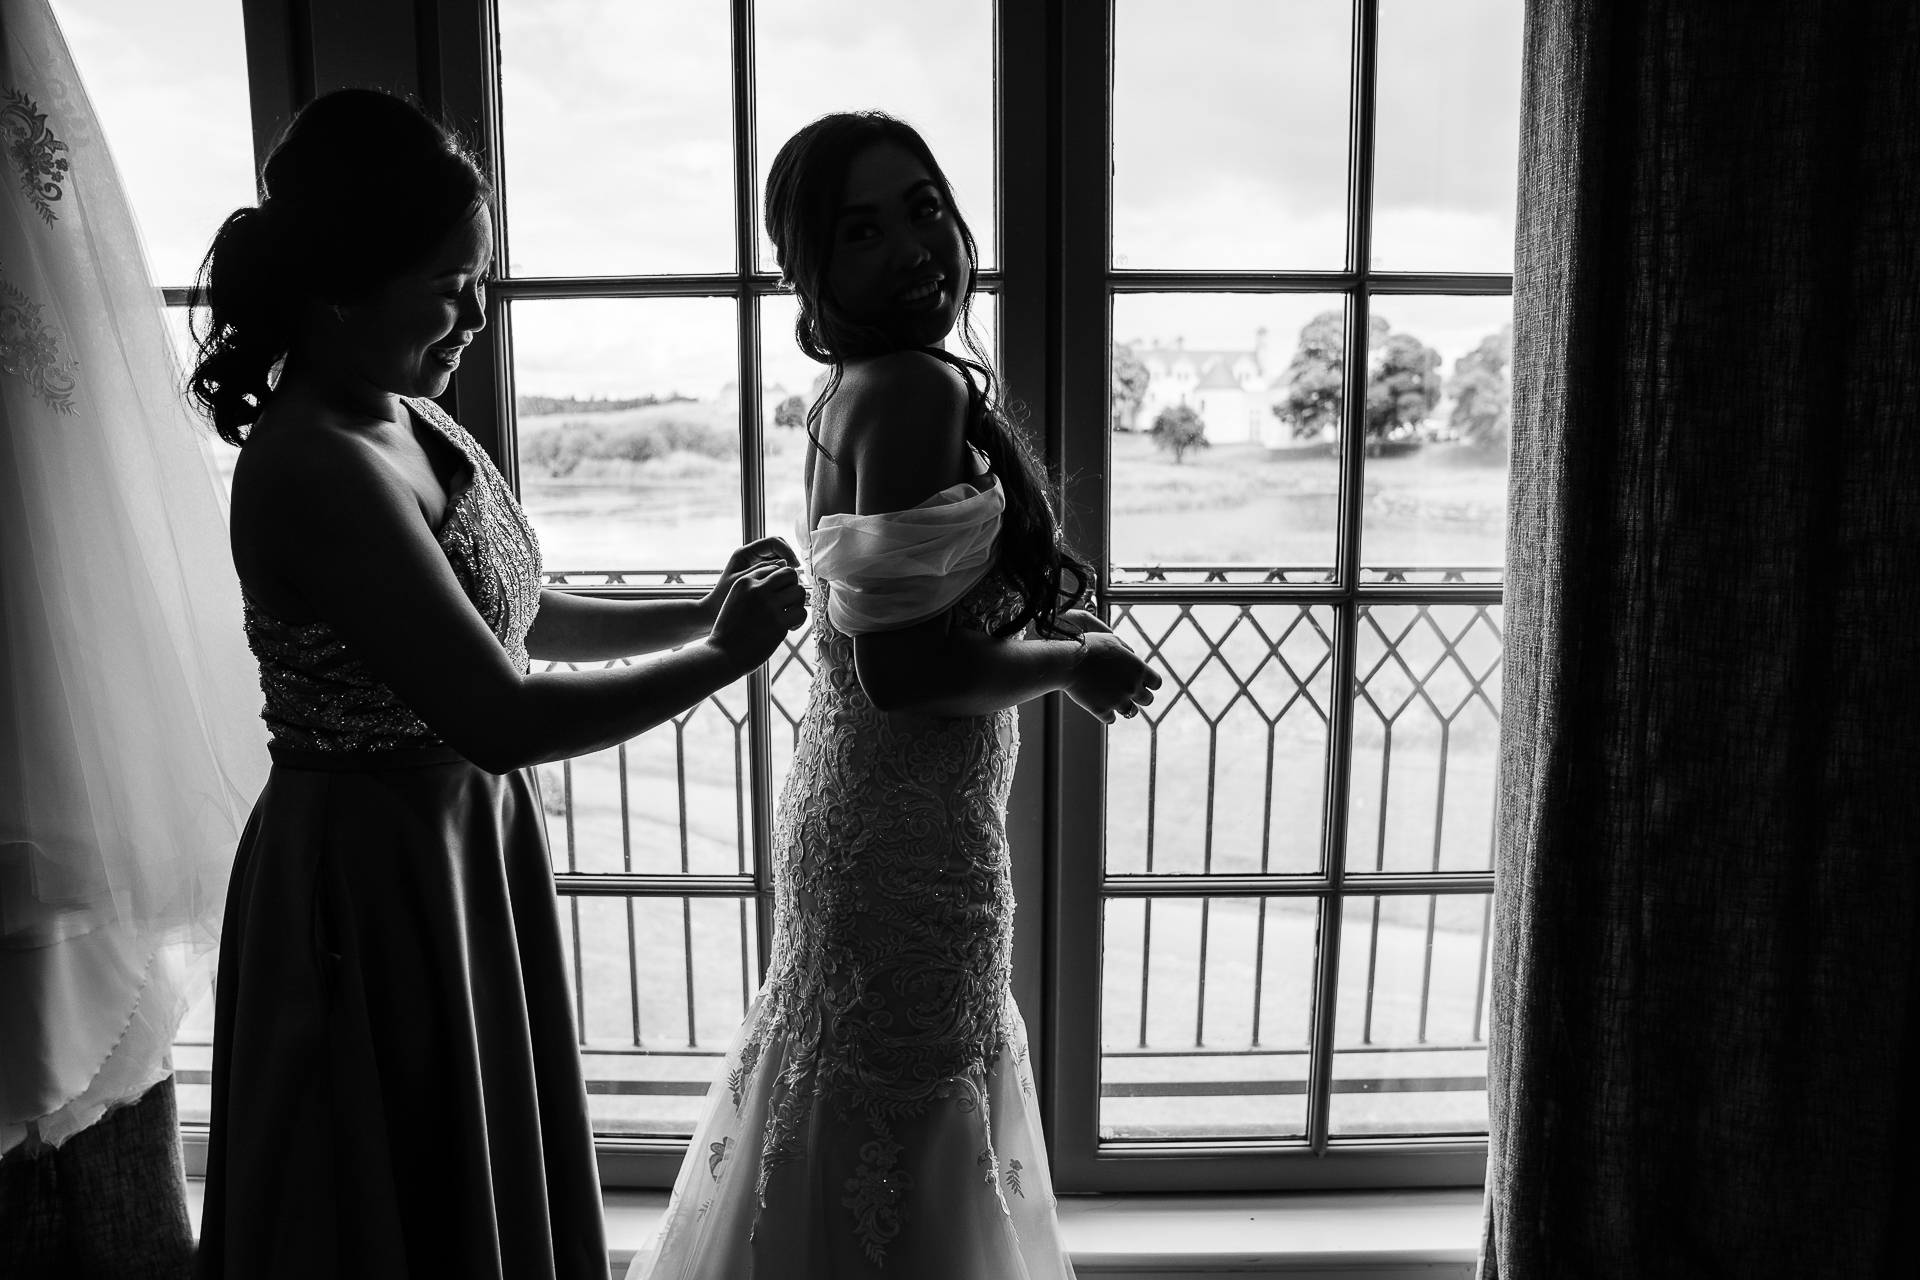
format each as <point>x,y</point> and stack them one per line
<point>108,1205</point>
<point>1705,1051</point>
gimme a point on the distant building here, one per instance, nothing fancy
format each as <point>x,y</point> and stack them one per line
<point>1232,391</point>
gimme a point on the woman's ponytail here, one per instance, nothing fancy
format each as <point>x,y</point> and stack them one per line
<point>243,321</point>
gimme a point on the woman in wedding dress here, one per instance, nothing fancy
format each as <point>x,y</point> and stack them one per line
<point>396,1076</point>
<point>876,1114</point>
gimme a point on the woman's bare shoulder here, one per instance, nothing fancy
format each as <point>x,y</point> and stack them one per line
<point>292,457</point>
<point>903,429</point>
<point>905,387</point>
<point>904,376</point>
<point>303,480</point>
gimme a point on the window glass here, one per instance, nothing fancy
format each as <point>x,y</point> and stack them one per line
<point>1410,1051</point>
<point>1225,773</point>
<point>1225,434</point>
<point>1426,738</point>
<point>1446,135</point>
<point>929,64</point>
<point>628,419</point>
<point>618,122</point>
<point>660,984</point>
<point>1439,373</point>
<point>1230,134</point>
<point>1206,1023</point>
<point>183,143</point>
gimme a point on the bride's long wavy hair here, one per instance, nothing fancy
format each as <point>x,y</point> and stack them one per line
<point>803,201</point>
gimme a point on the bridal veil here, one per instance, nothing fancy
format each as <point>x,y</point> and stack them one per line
<point>130,745</point>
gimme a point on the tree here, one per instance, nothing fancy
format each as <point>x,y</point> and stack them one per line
<point>1403,385</point>
<point>791,412</point>
<point>1482,392</point>
<point>1130,378</point>
<point>1311,402</point>
<point>1403,380</point>
<point>1179,429</point>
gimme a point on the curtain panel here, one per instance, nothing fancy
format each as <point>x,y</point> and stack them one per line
<point>1705,1050</point>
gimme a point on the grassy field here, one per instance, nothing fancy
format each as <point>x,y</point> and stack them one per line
<point>1232,503</point>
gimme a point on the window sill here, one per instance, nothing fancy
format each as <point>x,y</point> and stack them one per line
<point>1349,1234</point>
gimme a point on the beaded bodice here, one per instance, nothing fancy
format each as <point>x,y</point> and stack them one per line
<point>320,697</point>
<point>892,953</point>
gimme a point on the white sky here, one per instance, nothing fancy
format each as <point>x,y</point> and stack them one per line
<point>168,80</point>
<point>1230,151</point>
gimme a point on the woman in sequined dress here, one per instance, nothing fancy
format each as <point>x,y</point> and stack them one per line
<point>396,1084</point>
<point>876,1116</point>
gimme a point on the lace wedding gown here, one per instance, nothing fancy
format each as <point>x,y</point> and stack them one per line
<point>876,1113</point>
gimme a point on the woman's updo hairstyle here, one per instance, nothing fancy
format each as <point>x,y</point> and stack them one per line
<point>804,190</point>
<point>359,188</point>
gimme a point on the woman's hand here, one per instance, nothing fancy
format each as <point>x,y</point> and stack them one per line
<point>1109,679</point>
<point>764,601</point>
<point>1080,622</point>
<point>769,551</point>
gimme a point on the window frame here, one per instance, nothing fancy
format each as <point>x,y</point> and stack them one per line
<point>1053,63</point>
<point>1080,885</point>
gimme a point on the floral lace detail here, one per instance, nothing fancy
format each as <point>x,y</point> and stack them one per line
<point>30,350</point>
<point>877,1187</point>
<point>320,697</point>
<point>738,1077</point>
<point>893,926</point>
<point>35,152</point>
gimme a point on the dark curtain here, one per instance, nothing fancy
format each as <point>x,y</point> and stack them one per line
<point>108,1204</point>
<point>1705,1052</point>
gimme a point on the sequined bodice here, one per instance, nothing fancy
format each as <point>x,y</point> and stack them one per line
<point>320,697</point>
<point>893,931</point>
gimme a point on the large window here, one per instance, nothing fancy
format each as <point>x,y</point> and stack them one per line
<point>1279,878</point>
<point>1248,273</point>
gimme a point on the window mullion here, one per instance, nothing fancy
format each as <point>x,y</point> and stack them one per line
<point>752,477</point>
<point>1079,343</point>
<point>1347,573</point>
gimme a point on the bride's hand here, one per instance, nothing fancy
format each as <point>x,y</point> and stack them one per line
<point>1080,622</point>
<point>768,550</point>
<point>1109,679</point>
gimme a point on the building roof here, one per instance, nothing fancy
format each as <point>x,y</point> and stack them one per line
<point>1218,377</point>
<point>1201,357</point>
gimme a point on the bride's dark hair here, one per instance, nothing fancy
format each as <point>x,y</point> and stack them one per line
<point>360,187</point>
<point>803,201</point>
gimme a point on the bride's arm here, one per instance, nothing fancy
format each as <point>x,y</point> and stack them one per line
<point>907,441</point>
<point>575,628</point>
<point>348,535</point>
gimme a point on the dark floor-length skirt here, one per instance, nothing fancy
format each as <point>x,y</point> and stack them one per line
<point>396,1082</point>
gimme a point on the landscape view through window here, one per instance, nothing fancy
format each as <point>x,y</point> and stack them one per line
<point>1231,154</point>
